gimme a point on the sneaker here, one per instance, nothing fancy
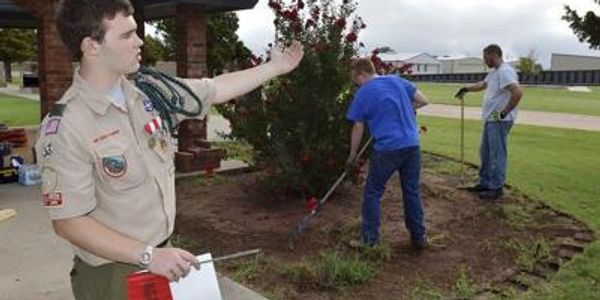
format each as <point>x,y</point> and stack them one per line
<point>478,188</point>
<point>419,244</point>
<point>360,244</point>
<point>492,194</point>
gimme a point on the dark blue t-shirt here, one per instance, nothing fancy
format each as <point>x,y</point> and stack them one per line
<point>384,103</point>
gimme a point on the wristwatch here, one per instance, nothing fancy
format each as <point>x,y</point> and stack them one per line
<point>146,257</point>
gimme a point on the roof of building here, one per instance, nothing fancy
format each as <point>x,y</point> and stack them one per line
<point>11,15</point>
<point>576,55</point>
<point>422,58</point>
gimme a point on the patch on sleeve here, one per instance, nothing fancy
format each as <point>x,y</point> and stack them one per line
<point>53,200</point>
<point>148,106</point>
<point>47,151</point>
<point>57,110</point>
<point>48,180</point>
<point>52,126</point>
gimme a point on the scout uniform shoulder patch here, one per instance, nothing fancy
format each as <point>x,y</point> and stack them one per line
<point>51,126</point>
<point>56,112</point>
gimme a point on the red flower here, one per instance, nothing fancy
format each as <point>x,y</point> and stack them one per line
<point>351,37</point>
<point>275,5</point>
<point>341,23</point>
<point>291,15</point>
<point>315,13</point>
<point>297,26</point>
<point>312,204</point>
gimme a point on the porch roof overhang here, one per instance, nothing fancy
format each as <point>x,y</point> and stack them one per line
<point>14,16</point>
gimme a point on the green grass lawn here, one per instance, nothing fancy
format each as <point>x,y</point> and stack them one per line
<point>560,167</point>
<point>535,98</point>
<point>17,111</point>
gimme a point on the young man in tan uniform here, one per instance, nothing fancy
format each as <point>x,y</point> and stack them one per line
<point>106,158</point>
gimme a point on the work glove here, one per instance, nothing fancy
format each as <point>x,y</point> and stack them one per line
<point>498,116</point>
<point>461,93</point>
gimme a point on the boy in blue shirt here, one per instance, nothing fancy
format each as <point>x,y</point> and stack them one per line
<point>387,105</point>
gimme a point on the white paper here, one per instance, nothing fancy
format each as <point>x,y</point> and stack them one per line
<point>198,284</point>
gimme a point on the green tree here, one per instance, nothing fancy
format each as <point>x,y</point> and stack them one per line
<point>529,65</point>
<point>587,28</point>
<point>16,45</point>
<point>224,49</point>
<point>154,50</point>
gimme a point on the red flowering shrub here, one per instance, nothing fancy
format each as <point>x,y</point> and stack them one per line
<point>297,123</point>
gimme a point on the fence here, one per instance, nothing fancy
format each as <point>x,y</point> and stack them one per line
<point>576,77</point>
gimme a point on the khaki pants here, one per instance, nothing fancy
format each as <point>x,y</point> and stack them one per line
<point>104,282</point>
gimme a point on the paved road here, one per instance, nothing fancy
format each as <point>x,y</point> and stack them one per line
<point>548,119</point>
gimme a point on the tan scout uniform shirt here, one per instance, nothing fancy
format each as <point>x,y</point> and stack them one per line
<point>98,160</point>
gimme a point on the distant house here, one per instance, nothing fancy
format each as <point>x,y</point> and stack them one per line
<point>422,63</point>
<point>462,64</point>
<point>569,62</point>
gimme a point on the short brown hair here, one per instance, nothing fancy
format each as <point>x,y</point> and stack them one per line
<point>493,48</point>
<point>78,19</point>
<point>363,65</point>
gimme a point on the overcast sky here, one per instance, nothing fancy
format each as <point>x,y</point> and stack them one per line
<point>444,27</point>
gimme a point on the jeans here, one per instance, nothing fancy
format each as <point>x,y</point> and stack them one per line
<point>407,162</point>
<point>494,154</point>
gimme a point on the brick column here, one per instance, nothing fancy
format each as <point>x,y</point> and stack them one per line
<point>55,64</point>
<point>190,27</point>
<point>55,69</point>
<point>190,23</point>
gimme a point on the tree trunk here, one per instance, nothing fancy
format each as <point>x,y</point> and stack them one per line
<point>7,71</point>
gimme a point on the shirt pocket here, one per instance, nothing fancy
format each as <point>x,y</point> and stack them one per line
<point>119,166</point>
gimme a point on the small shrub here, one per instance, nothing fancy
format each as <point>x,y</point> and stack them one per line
<point>464,286</point>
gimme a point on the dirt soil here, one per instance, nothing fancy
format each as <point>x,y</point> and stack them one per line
<point>490,242</point>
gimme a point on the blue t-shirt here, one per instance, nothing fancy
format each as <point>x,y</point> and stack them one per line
<point>384,103</point>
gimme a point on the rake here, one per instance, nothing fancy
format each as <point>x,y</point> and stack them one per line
<point>304,222</point>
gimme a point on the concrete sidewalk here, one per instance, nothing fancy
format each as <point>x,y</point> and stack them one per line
<point>35,263</point>
<point>538,118</point>
<point>15,90</point>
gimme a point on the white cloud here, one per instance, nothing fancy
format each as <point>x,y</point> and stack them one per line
<point>450,27</point>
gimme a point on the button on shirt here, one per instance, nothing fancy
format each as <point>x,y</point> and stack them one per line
<point>496,95</point>
<point>97,159</point>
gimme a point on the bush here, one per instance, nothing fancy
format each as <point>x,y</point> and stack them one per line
<point>296,123</point>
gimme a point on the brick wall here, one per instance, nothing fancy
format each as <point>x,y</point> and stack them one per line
<point>191,41</point>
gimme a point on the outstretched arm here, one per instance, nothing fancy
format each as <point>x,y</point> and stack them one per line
<point>357,132</point>
<point>479,86</point>
<point>235,84</point>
